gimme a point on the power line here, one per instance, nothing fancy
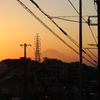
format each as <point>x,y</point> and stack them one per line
<point>60,28</point>
<point>84,20</point>
<point>30,50</point>
<point>33,48</point>
<point>56,24</point>
<point>76,10</point>
<point>63,18</point>
<point>92,34</point>
<point>91,52</point>
<point>94,2</point>
<point>45,25</point>
<point>51,30</point>
<point>91,57</point>
<point>29,53</point>
<point>67,16</point>
<point>90,27</point>
<point>67,19</point>
<point>85,10</point>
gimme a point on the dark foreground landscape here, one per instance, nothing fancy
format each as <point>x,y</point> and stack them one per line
<point>50,80</point>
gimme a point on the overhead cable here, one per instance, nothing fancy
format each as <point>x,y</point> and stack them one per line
<point>68,16</point>
<point>92,52</point>
<point>92,34</point>
<point>84,20</point>
<point>51,30</point>
<point>76,10</point>
<point>91,57</point>
<point>55,23</point>
<point>59,27</point>
<point>95,4</point>
<point>45,25</point>
<point>90,27</point>
<point>67,19</point>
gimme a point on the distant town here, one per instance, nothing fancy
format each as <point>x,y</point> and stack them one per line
<point>51,79</point>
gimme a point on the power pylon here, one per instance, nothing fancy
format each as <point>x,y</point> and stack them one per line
<point>37,48</point>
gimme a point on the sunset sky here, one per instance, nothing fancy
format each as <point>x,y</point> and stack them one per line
<point>18,26</point>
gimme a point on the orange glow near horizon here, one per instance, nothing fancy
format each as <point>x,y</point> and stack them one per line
<point>17,26</point>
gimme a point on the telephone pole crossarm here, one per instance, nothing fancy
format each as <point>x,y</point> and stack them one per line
<point>89,21</point>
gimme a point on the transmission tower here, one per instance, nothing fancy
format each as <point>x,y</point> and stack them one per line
<point>37,48</point>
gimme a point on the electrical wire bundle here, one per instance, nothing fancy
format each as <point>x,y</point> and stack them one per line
<point>59,29</point>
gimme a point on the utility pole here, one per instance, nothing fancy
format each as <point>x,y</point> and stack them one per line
<point>98,45</point>
<point>25,73</point>
<point>80,49</point>
<point>98,8</point>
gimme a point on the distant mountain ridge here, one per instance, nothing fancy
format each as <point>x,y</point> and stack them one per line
<point>54,54</point>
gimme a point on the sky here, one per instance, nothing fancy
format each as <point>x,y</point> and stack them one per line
<point>18,26</point>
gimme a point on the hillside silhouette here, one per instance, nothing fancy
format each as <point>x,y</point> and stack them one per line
<point>54,54</point>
